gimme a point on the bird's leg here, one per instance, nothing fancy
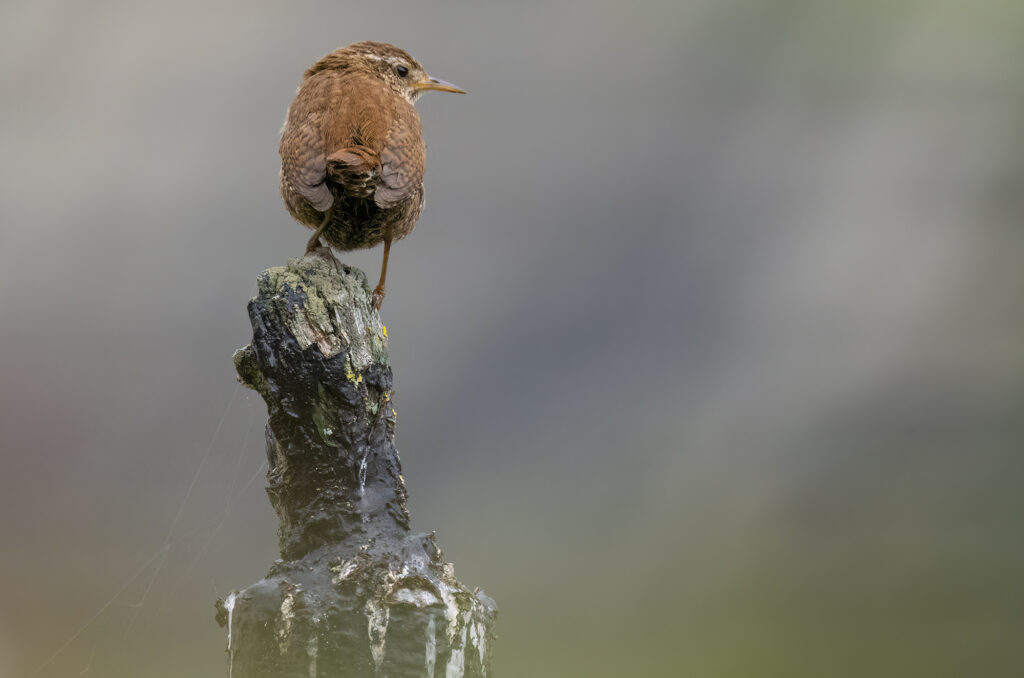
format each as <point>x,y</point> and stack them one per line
<point>378,291</point>
<point>314,242</point>
<point>314,246</point>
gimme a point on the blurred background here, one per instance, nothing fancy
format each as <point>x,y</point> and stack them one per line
<point>707,345</point>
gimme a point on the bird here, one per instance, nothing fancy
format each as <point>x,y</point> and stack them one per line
<point>352,150</point>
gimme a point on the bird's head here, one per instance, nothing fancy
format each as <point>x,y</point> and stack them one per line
<point>394,66</point>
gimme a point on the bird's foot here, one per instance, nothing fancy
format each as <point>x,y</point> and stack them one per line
<point>324,251</point>
<point>378,297</point>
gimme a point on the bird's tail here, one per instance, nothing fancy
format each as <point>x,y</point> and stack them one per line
<point>356,169</point>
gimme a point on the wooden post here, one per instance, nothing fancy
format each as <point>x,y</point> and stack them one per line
<point>355,593</point>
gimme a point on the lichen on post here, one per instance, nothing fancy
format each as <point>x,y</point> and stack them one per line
<point>355,593</point>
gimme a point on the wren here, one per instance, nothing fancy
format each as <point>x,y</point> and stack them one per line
<point>352,151</point>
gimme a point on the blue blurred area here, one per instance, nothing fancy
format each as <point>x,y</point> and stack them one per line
<point>707,345</point>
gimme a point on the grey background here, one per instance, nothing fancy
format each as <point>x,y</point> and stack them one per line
<point>707,345</point>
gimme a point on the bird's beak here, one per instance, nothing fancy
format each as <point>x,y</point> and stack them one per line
<point>439,85</point>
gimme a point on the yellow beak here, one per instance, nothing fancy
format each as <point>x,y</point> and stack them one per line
<point>439,85</point>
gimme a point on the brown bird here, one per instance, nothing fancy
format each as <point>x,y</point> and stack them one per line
<point>352,151</point>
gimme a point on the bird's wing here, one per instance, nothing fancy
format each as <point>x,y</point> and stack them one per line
<point>401,159</point>
<point>303,162</point>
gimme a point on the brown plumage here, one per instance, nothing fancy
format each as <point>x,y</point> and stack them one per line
<point>352,151</point>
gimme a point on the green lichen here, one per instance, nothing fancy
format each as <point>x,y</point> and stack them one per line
<point>248,369</point>
<point>324,416</point>
<point>350,374</point>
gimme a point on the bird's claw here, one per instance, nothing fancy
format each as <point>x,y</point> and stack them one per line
<point>378,297</point>
<point>325,252</point>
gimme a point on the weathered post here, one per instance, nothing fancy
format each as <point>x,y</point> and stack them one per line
<point>355,593</point>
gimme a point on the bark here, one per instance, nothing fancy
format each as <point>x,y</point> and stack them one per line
<point>355,593</point>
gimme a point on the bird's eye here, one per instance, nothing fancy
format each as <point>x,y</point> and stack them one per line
<point>402,71</point>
